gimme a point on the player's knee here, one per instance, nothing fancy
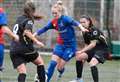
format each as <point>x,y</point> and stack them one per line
<point>39,61</point>
<point>21,68</point>
<point>93,62</point>
<point>60,67</point>
<point>77,57</point>
<point>80,57</point>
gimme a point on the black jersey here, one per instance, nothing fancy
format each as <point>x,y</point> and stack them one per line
<point>95,34</point>
<point>22,23</point>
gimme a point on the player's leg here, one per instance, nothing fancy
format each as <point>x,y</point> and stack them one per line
<point>40,68</point>
<point>67,55</point>
<point>80,59</point>
<point>1,56</point>
<point>51,67</point>
<point>99,57</point>
<point>18,63</point>
<point>22,72</point>
<point>94,69</point>
<point>61,68</point>
<point>60,71</point>
<point>57,53</point>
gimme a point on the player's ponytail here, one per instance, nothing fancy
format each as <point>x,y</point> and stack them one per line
<point>29,9</point>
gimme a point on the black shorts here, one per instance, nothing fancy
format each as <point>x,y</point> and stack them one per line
<point>99,54</point>
<point>20,58</point>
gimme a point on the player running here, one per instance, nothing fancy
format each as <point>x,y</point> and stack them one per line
<point>66,41</point>
<point>95,50</point>
<point>4,29</point>
<point>23,51</point>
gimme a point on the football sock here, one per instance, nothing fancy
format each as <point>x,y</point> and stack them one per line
<point>22,77</point>
<point>61,71</point>
<point>51,69</point>
<point>94,72</point>
<point>1,56</point>
<point>41,73</point>
<point>79,68</point>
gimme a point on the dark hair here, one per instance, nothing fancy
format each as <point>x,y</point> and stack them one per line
<point>29,8</point>
<point>88,18</point>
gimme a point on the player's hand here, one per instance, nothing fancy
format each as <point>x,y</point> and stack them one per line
<point>40,44</point>
<point>16,37</point>
<point>79,52</point>
<point>34,34</point>
<point>85,30</point>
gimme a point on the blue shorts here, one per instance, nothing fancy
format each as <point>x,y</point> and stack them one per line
<point>65,52</point>
<point>1,54</point>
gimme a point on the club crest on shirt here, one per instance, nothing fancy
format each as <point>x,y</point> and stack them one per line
<point>30,22</point>
<point>95,32</point>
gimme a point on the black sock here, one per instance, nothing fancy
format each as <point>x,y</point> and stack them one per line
<point>79,68</point>
<point>41,73</point>
<point>94,71</point>
<point>22,77</point>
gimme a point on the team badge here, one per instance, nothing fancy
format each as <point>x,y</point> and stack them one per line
<point>95,32</point>
<point>30,22</point>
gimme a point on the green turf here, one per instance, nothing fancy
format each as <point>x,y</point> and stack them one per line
<point>109,72</point>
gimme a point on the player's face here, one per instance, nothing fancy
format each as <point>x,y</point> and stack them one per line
<point>85,23</point>
<point>55,12</point>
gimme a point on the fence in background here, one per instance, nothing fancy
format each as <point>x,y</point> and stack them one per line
<point>97,9</point>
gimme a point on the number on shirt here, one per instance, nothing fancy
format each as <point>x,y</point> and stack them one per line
<point>15,28</point>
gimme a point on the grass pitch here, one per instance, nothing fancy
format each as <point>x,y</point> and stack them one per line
<point>108,72</point>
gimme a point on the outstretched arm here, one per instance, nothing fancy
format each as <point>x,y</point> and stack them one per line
<point>75,23</point>
<point>10,33</point>
<point>82,28</point>
<point>44,29</point>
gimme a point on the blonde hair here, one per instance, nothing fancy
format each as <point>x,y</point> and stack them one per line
<point>63,8</point>
<point>58,7</point>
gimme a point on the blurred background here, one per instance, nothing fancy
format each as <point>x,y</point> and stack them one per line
<point>105,15</point>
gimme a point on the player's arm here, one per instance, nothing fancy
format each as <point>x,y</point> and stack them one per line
<point>90,46</point>
<point>75,23</point>
<point>94,40</point>
<point>44,29</point>
<point>82,28</point>
<point>3,25</point>
<point>10,33</point>
<point>29,34</point>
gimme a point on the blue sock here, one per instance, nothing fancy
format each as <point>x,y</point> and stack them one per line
<point>61,71</point>
<point>51,69</point>
<point>1,55</point>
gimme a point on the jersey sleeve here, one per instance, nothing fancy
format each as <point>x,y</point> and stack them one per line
<point>45,28</point>
<point>29,25</point>
<point>3,18</point>
<point>71,21</point>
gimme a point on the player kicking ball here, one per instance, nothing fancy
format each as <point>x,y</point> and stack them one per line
<point>65,47</point>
